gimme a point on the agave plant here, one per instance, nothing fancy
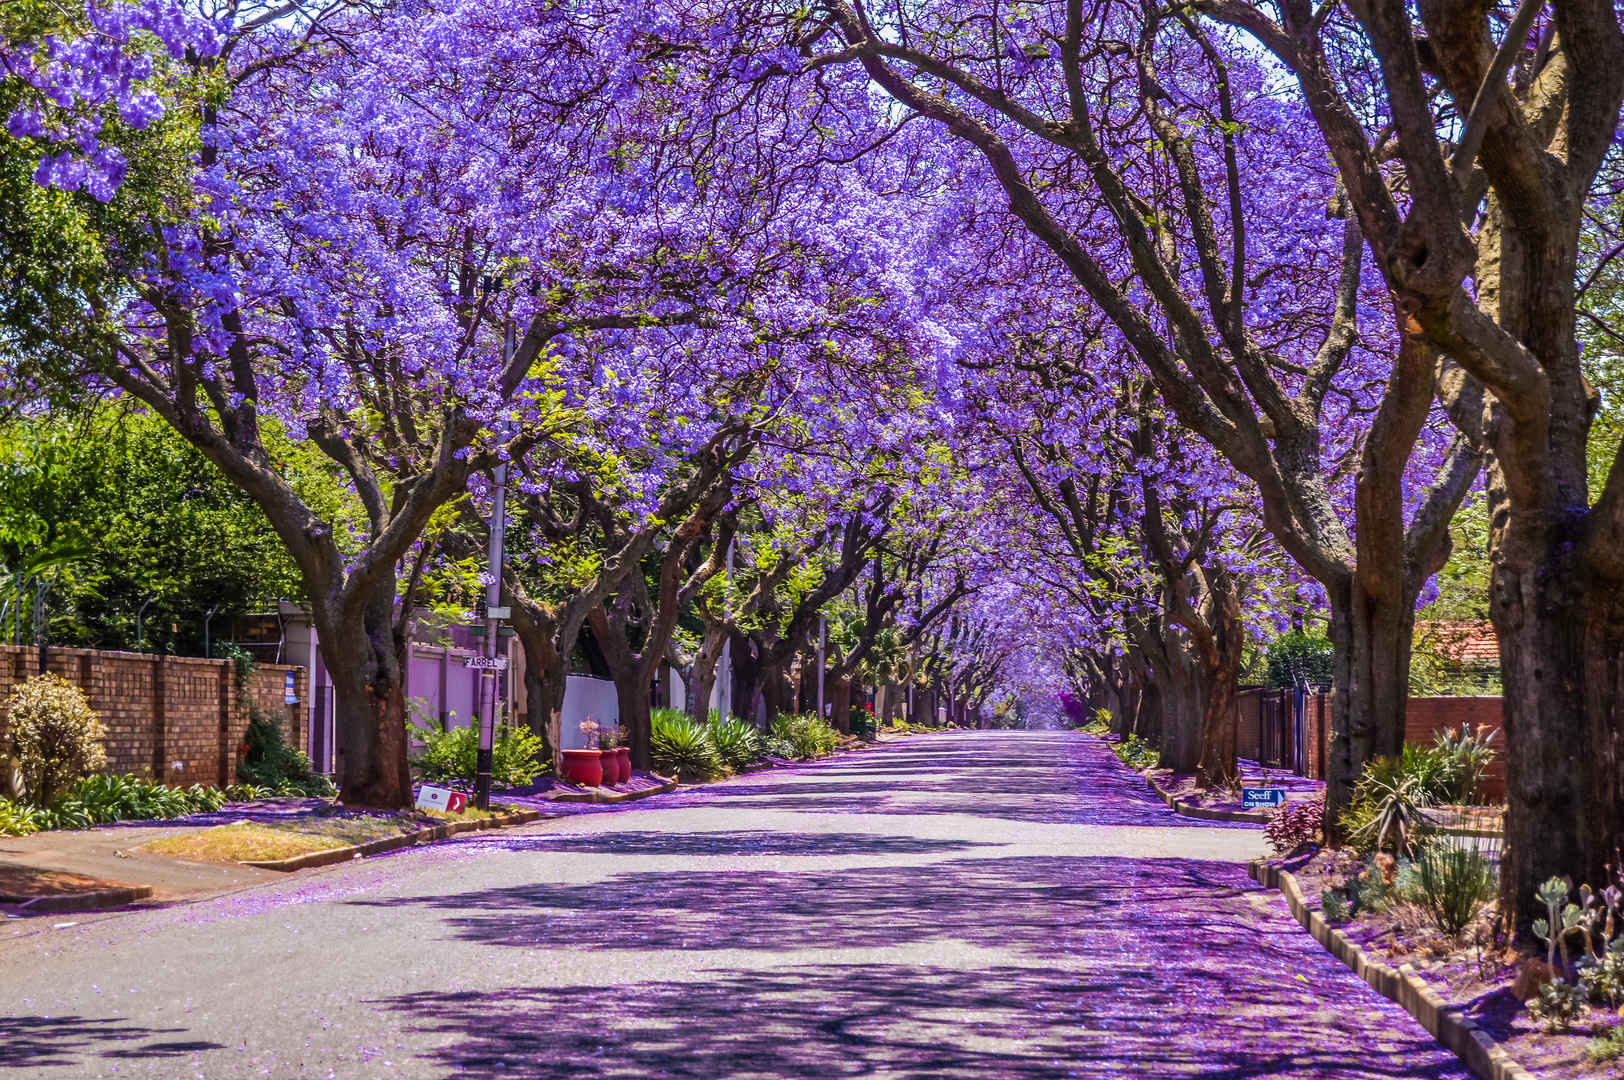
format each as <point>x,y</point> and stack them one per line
<point>1400,812</point>
<point>682,746</point>
<point>738,744</point>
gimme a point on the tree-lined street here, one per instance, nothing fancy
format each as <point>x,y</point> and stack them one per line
<point>974,905</point>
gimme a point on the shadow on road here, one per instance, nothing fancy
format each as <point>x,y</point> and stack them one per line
<point>36,1042</point>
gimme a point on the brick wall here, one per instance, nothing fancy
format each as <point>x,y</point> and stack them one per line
<point>1423,716</point>
<point>176,718</point>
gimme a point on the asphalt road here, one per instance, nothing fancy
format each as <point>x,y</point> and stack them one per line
<point>962,905</point>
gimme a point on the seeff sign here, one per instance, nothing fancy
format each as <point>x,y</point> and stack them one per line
<point>1254,798</point>
<point>430,797</point>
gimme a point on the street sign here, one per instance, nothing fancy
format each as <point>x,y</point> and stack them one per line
<point>430,797</point>
<point>290,696</point>
<point>499,613</point>
<point>1253,798</point>
<point>485,663</point>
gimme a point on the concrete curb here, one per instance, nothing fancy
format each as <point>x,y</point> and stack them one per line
<point>1205,813</point>
<point>604,795</point>
<point>96,899</point>
<point>1461,1035</point>
<point>394,843</point>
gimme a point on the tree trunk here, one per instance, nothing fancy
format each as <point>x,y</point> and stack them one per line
<point>1147,718</point>
<point>1370,678</point>
<point>545,680</point>
<point>840,702</point>
<point>1182,712</point>
<point>1562,668</point>
<point>777,693</point>
<point>702,681</point>
<point>1221,664</point>
<point>632,698</point>
<point>369,706</point>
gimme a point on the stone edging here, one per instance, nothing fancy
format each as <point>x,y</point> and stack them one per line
<point>114,896</point>
<point>1461,1035</point>
<point>604,795</point>
<point>392,843</point>
<point>1205,813</point>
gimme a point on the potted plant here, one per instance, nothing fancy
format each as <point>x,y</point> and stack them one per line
<point>615,749</point>
<point>585,766</point>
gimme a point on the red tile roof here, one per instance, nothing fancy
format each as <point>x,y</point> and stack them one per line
<point>1463,642</point>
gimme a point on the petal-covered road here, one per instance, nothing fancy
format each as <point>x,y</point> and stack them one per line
<point>984,904</point>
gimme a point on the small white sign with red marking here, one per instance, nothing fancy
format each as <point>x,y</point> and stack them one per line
<point>430,797</point>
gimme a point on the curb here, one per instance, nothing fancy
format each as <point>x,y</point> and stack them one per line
<point>393,843</point>
<point>1205,813</point>
<point>604,795</point>
<point>1460,1035</point>
<point>116,896</point>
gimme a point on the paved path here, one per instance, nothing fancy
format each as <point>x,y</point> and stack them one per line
<point>964,905</point>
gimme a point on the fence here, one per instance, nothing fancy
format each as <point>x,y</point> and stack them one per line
<point>179,719</point>
<point>1288,729</point>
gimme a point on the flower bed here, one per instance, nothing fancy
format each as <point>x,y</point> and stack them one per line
<point>1474,975</point>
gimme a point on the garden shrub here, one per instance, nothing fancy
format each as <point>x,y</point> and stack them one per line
<point>862,722</point>
<point>268,762</point>
<point>738,744</point>
<point>99,800</point>
<point>1451,882</point>
<point>453,755</point>
<point>1388,809</point>
<point>1294,826</point>
<point>1559,1006</point>
<point>1299,655</point>
<point>1463,759</point>
<point>1608,1046</point>
<point>1136,753</point>
<point>1603,976</point>
<point>801,737</point>
<point>1333,907</point>
<point>20,819</point>
<point>55,736</point>
<point>681,746</point>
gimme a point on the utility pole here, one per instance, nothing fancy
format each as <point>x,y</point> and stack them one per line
<point>493,617</point>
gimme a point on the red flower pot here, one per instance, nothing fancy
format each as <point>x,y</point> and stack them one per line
<point>584,767</point>
<point>623,758</point>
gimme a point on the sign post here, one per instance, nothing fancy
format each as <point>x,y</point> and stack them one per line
<point>493,614</point>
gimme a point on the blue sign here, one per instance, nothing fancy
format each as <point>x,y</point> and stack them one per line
<point>290,696</point>
<point>1253,798</point>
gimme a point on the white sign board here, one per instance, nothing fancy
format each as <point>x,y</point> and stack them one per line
<point>430,797</point>
<point>485,663</point>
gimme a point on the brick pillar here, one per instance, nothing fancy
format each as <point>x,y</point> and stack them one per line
<point>223,739</point>
<point>159,759</point>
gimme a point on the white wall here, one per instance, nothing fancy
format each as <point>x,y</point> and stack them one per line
<point>586,698</point>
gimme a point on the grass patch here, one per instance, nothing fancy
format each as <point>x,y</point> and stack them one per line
<point>246,841</point>
<point>241,842</point>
